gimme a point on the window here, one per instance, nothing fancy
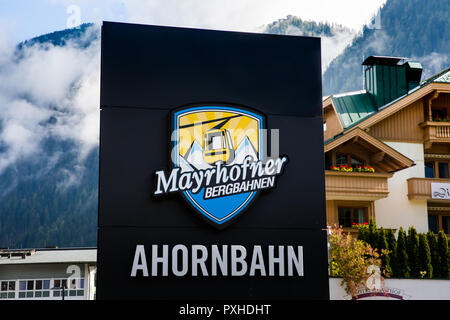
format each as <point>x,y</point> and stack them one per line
<point>73,287</point>
<point>34,289</point>
<point>443,170</point>
<point>8,290</point>
<point>439,114</point>
<point>433,223</point>
<point>439,221</point>
<point>324,126</point>
<point>437,169</point>
<point>348,216</point>
<point>343,159</point>
<point>429,169</point>
<point>40,288</point>
<point>217,142</point>
<point>328,163</point>
<point>446,224</point>
<point>355,162</point>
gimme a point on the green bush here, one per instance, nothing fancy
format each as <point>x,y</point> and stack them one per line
<point>412,247</point>
<point>434,252</point>
<point>382,247</point>
<point>411,255</point>
<point>372,235</point>
<point>363,233</point>
<point>444,256</point>
<point>424,255</point>
<point>392,247</point>
<point>402,260</point>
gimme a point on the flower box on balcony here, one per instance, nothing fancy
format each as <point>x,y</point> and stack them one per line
<point>347,168</point>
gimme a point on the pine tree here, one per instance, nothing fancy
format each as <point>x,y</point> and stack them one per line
<point>402,255</point>
<point>383,245</point>
<point>444,258</point>
<point>392,247</point>
<point>412,247</point>
<point>424,262</point>
<point>434,253</point>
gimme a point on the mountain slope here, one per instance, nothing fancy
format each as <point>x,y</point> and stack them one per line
<point>49,140</point>
<point>414,29</point>
<point>334,37</point>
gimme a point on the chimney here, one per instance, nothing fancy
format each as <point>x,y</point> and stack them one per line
<point>387,78</point>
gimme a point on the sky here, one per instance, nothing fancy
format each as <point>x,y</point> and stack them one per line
<point>24,19</point>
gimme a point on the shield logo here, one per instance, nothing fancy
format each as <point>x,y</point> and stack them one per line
<point>208,136</point>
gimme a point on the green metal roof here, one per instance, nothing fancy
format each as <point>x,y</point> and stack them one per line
<point>352,108</point>
<point>414,64</point>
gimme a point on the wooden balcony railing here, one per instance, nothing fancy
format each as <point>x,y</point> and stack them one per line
<point>420,188</point>
<point>435,132</point>
<point>356,185</point>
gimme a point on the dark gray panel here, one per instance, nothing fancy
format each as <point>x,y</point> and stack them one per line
<point>135,142</point>
<point>119,245</point>
<point>161,67</point>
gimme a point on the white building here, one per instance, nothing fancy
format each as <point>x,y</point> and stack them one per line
<point>46,273</point>
<point>399,128</point>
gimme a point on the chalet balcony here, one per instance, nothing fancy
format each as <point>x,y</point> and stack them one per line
<point>435,131</point>
<point>428,188</point>
<point>356,185</point>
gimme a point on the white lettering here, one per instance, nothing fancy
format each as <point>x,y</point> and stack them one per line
<point>139,255</point>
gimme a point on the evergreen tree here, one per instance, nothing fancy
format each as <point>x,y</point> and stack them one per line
<point>402,255</point>
<point>412,246</point>
<point>383,245</point>
<point>424,254</point>
<point>372,235</point>
<point>434,253</point>
<point>444,258</point>
<point>362,233</point>
<point>392,247</point>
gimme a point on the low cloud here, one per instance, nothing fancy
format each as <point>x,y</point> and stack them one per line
<point>335,45</point>
<point>433,63</point>
<point>48,92</point>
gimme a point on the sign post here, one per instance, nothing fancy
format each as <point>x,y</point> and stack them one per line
<point>211,166</point>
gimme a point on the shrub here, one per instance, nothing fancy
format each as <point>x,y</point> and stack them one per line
<point>412,247</point>
<point>372,234</point>
<point>444,258</point>
<point>402,260</point>
<point>392,247</point>
<point>434,253</point>
<point>383,247</point>
<point>363,231</point>
<point>349,259</point>
<point>424,255</point>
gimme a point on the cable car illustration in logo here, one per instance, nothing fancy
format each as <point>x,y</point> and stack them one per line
<point>219,161</point>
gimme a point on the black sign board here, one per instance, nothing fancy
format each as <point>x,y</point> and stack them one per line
<point>211,166</point>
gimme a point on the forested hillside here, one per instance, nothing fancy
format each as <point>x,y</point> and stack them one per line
<point>334,36</point>
<point>414,29</point>
<point>48,161</point>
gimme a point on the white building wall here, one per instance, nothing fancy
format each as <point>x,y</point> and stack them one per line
<point>49,271</point>
<point>397,210</point>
